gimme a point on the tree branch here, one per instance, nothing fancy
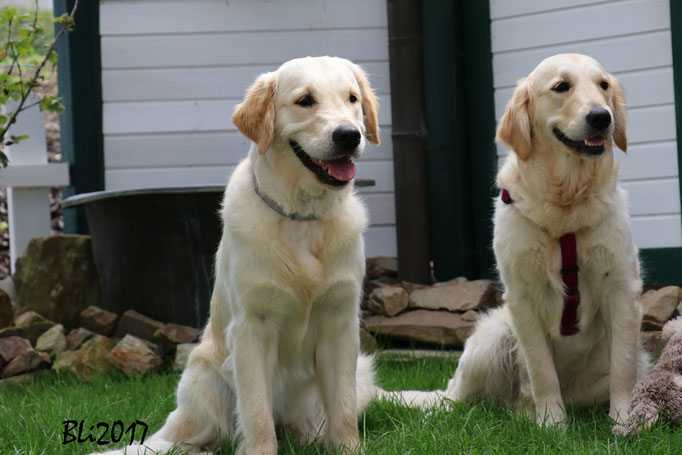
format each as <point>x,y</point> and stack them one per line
<point>49,52</point>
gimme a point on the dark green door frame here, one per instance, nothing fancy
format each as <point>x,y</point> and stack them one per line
<point>80,88</point>
<point>460,120</point>
<point>664,265</point>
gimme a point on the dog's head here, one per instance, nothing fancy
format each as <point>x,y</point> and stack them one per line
<point>569,101</point>
<point>320,109</point>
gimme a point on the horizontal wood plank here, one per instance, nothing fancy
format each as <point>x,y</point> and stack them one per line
<point>381,208</point>
<point>505,8</point>
<point>204,82</point>
<point>653,197</point>
<point>657,231</point>
<point>248,48</point>
<point>625,53</point>
<point>381,241</point>
<point>34,175</point>
<point>655,123</point>
<point>648,160</point>
<point>596,21</point>
<point>180,16</point>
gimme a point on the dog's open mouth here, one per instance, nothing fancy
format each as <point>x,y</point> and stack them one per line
<point>337,172</point>
<point>592,146</point>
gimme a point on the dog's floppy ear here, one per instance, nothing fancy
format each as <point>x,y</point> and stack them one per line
<point>619,115</point>
<point>514,127</point>
<point>255,116</point>
<point>370,105</point>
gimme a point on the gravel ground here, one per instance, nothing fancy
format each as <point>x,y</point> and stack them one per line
<point>54,155</point>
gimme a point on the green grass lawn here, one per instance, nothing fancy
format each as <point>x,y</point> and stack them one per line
<point>31,418</point>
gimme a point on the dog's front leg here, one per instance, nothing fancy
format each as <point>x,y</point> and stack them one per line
<point>539,361</point>
<point>254,353</point>
<point>336,357</point>
<point>622,322</point>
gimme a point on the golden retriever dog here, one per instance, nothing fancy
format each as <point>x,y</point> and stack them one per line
<point>281,347</point>
<point>560,182</point>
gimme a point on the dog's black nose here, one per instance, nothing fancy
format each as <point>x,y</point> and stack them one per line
<point>598,118</point>
<point>346,138</point>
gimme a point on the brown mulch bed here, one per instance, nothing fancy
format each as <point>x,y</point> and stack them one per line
<point>54,155</point>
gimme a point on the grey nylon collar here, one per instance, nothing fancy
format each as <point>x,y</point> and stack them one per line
<point>278,208</point>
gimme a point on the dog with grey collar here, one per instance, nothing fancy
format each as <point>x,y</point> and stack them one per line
<point>281,347</point>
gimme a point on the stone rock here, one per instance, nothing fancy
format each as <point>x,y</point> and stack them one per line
<point>27,360</point>
<point>456,295</point>
<point>53,340</point>
<point>7,285</point>
<point>411,287</point>
<point>30,332</point>
<point>27,318</point>
<point>11,347</point>
<point>24,378</point>
<point>381,266</point>
<point>132,356</point>
<point>679,309</point>
<point>652,341</point>
<point>77,337</point>
<point>388,301</point>
<point>368,343</point>
<point>433,327</point>
<point>98,320</point>
<point>156,348</point>
<point>57,278</point>
<point>368,286</point>
<point>660,305</point>
<point>91,358</point>
<point>182,355</point>
<point>139,325</point>
<point>171,335</point>
<point>6,310</point>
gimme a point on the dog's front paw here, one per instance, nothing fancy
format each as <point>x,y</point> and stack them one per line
<point>551,416</point>
<point>257,449</point>
<point>348,445</point>
<point>619,414</point>
<point>351,447</point>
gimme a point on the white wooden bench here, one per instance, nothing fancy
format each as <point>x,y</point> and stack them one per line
<point>28,178</point>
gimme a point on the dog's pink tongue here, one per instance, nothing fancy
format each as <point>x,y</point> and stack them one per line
<point>341,169</point>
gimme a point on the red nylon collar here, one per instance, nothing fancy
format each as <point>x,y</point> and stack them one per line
<point>569,276</point>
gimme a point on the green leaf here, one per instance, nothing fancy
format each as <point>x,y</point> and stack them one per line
<point>8,14</point>
<point>3,119</point>
<point>17,139</point>
<point>3,159</point>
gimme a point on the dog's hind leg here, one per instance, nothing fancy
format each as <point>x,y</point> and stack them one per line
<point>486,370</point>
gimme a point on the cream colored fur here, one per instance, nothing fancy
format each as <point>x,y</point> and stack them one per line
<point>516,354</point>
<point>281,347</point>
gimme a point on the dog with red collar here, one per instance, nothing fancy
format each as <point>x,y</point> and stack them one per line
<point>569,329</point>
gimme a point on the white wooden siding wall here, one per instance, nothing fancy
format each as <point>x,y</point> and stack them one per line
<point>173,70</point>
<point>631,38</point>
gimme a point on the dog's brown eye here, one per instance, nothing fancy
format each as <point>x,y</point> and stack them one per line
<point>306,101</point>
<point>561,87</point>
<point>604,85</point>
<point>353,98</point>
